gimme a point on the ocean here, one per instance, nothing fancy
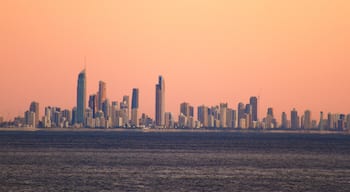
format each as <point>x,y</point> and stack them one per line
<point>100,160</point>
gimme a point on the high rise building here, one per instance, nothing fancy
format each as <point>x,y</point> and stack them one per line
<point>254,106</point>
<point>81,97</point>
<point>270,111</point>
<point>320,124</point>
<point>169,121</point>
<point>106,108</point>
<point>134,107</point>
<point>307,120</point>
<point>34,107</point>
<point>124,107</point>
<point>29,117</point>
<point>187,110</point>
<point>102,94</point>
<point>348,121</point>
<point>241,112</point>
<point>284,121</point>
<point>203,115</point>
<point>93,104</point>
<point>160,102</point>
<point>294,118</point>
<point>223,115</point>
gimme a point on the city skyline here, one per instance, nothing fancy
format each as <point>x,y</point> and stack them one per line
<point>101,113</point>
<point>290,54</point>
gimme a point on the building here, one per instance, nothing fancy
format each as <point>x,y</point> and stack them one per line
<point>187,110</point>
<point>348,122</point>
<point>124,107</point>
<point>223,115</point>
<point>102,94</point>
<point>253,101</point>
<point>169,121</point>
<point>270,112</point>
<point>307,124</point>
<point>294,118</point>
<point>93,104</point>
<point>321,123</point>
<point>29,117</point>
<point>134,107</point>
<point>160,102</point>
<point>34,107</point>
<point>202,115</point>
<point>241,112</point>
<point>106,108</point>
<point>284,119</point>
<point>81,98</point>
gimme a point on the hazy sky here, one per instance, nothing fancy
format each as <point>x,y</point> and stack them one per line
<point>290,53</point>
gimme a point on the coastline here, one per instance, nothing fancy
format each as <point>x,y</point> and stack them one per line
<point>201,130</point>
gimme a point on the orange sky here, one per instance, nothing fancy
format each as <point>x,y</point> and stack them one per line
<point>291,53</point>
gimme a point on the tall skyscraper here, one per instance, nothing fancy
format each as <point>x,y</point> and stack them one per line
<point>241,112</point>
<point>203,115</point>
<point>34,107</point>
<point>102,94</point>
<point>185,109</point>
<point>29,117</point>
<point>81,97</point>
<point>93,104</point>
<point>284,121</point>
<point>307,120</point>
<point>223,115</point>
<point>320,124</point>
<point>124,107</point>
<point>270,111</point>
<point>160,102</point>
<point>134,107</point>
<point>294,119</point>
<point>254,106</point>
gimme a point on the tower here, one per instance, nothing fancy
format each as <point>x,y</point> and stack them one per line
<point>81,97</point>
<point>294,119</point>
<point>307,119</point>
<point>241,111</point>
<point>102,94</point>
<point>160,102</point>
<point>134,107</point>
<point>34,107</point>
<point>254,107</point>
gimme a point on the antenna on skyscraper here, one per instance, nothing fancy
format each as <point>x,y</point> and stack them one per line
<point>84,62</point>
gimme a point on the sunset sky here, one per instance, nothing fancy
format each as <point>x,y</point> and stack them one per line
<point>290,53</point>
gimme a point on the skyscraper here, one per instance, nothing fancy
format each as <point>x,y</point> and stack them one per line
<point>270,111</point>
<point>241,111</point>
<point>34,107</point>
<point>93,104</point>
<point>307,120</point>
<point>185,109</point>
<point>320,124</point>
<point>134,107</point>
<point>160,102</point>
<point>81,97</point>
<point>294,119</point>
<point>254,106</point>
<point>202,115</point>
<point>124,107</point>
<point>102,94</point>
<point>284,120</point>
<point>223,114</point>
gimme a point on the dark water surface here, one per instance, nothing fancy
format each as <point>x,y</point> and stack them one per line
<point>173,161</point>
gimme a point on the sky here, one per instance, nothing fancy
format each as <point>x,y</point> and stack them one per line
<point>291,54</point>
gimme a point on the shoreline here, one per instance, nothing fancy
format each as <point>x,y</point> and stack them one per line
<point>145,130</point>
